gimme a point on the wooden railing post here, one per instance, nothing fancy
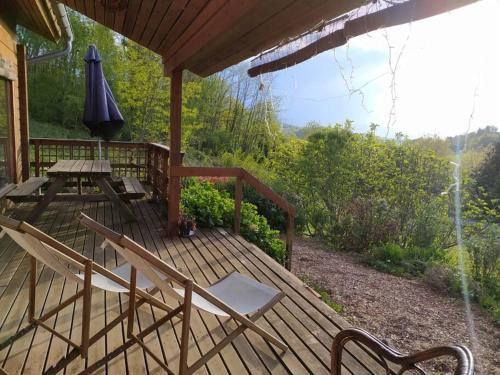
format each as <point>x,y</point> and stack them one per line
<point>289,240</point>
<point>155,172</point>
<point>148,163</point>
<point>37,158</point>
<point>164,174</point>
<point>238,195</point>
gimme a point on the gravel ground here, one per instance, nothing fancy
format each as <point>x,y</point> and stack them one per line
<point>407,313</point>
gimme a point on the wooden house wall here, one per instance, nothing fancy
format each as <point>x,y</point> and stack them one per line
<point>8,47</point>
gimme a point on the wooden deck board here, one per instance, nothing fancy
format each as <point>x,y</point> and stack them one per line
<point>301,320</point>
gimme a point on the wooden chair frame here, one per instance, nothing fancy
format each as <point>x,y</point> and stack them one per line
<point>142,259</point>
<point>465,360</point>
<point>88,267</point>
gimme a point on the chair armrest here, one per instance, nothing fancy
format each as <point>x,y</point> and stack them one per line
<point>465,360</point>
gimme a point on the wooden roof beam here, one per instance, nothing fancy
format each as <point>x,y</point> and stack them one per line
<point>292,20</point>
<point>396,15</point>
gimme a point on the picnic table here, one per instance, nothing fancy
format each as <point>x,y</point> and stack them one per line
<point>96,171</point>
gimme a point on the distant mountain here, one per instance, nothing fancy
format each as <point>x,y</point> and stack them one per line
<point>474,146</point>
<point>288,129</point>
<point>475,141</point>
<point>478,141</point>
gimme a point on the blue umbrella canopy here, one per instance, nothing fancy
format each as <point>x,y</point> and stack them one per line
<point>101,114</point>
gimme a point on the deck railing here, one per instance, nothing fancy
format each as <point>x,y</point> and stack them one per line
<point>241,176</point>
<point>148,162</point>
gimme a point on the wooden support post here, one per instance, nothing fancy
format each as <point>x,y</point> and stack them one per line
<point>174,186</point>
<point>289,240</point>
<point>238,195</point>
<point>23,110</point>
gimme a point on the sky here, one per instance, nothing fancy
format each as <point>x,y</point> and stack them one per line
<point>447,80</point>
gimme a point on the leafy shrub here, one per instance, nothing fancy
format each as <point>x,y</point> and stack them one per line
<point>433,225</point>
<point>392,258</point>
<point>254,228</point>
<point>274,215</point>
<point>484,251</point>
<point>367,223</point>
<point>211,208</point>
<point>442,278</point>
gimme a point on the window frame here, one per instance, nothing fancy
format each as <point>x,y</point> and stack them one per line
<point>9,94</point>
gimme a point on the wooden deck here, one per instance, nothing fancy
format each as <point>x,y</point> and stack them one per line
<point>301,319</point>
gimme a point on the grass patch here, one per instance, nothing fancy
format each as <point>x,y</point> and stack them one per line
<point>324,294</point>
<point>403,262</point>
<point>40,129</point>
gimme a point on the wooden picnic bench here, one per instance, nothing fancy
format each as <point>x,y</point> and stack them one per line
<point>133,188</point>
<point>26,189</point>
<point>96,172</point>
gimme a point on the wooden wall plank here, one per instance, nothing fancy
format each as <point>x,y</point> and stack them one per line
<point>190,14</point>
<point>142,20</point>
<point>159,12</point>
<point>176,7</point>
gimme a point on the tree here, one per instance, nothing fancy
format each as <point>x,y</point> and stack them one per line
<point>488,175</point>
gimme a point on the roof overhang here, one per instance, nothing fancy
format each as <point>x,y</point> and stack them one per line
<point>36,15</point>
<point>337,32</point>
<point>206,36</point>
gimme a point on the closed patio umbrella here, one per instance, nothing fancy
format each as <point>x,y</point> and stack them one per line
<point>101,114</point>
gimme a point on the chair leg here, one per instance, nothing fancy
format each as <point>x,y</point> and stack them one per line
<point>131,302</point>
<point>186,317</point>
<point>87,303</point>
<point>32,291</point>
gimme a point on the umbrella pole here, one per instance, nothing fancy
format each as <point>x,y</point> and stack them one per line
<point>99,143</point>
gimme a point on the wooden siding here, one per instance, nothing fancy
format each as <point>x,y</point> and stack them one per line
<point>301,320</point>
<point>8,52</point>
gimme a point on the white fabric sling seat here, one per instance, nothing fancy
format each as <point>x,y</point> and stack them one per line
<point>105,283</point>
<point>243,294</point>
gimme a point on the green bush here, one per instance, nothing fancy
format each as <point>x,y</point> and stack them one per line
<point>392,258</point>
<point>274,215</point>
<point>211,207</point>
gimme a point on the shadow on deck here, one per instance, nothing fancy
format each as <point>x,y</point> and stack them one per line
<point>301,320</point>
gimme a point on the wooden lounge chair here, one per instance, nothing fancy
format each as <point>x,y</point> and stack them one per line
<point>235,296</point>
<point>62,259</point>
<point>463,356</point>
